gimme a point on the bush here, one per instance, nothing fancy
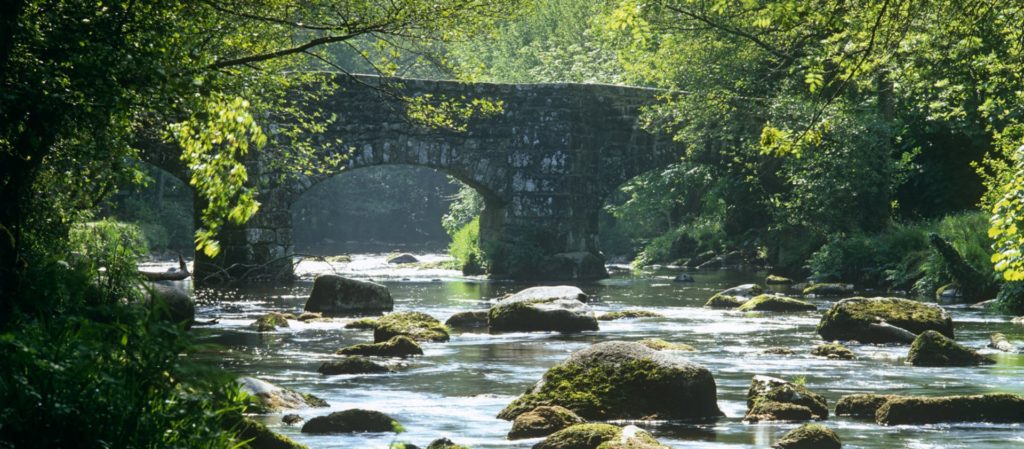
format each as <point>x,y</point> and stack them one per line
<point>667,248</point>
<point>465,247</point>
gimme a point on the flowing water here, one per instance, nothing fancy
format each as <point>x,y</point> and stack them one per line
<point>455,389</point>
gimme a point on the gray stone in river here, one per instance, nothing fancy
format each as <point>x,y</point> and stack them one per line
<point>334,295</point>
<point>539,309</point>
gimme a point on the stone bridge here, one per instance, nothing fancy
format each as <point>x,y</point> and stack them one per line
<point>544,166</point>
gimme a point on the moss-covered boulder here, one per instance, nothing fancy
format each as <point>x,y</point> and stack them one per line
<point>270,322</point>
<point>658,344</point>
<point>468,321</point>
<point>862,405</point>
<point>542,421</point>
<point>270,398</point>
<point>444,443</point>
<point>777,280</point>
<point>334,295</point>
<point>746,290</point>
<point>400,346</point>
<point>260,437</point>
<point>774,399</point>
<point>828,290</point>
<point>775,303</point>
<point>539,309</point>
<point>362,323</point>
<point>626,314</point>
<point>352,421</point>
<point>778,350</point>
<point>415,325</point>
<point>809,436</point>
<point>834,350</point>
<point>999,408</point>
<point>600,436</point>
<point>308,317</point>
<point>882,320</point>
<point>724,302</point>
<point>352,365</point>
<point>623,380</point>
<point>934,349</point>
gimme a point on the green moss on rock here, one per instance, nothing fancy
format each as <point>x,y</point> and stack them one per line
<point>834,350</point>
<point>542,421</point>
<point>474,319</point>
<point>624,314</point>
<point>352,365</point>
<point>362,323</point>
<point>934,349</point>
<point>400,346</point>
<point>862,405</point>
<point>622,380</point>
<point>580,436</point>
<point>271,321</point>
<point>723,302</point>
<point>260,437</point>
<point>775,303</point>
<point>828,290</point>
<point>778,350</point>
<point>416,325</point>
<point>764,410</point>
<point>540,309</point>
<point>444,443</point>
<point>882,320</point>
<point>999,408</point>
<point>777,280</point>
<point>352,421</point>
<point>658,344</point>
<point>809,436</point>
<point>766,392</point>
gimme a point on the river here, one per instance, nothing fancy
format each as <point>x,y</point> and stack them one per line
<point>456,388</point>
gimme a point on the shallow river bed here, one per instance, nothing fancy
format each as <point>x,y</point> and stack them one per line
<point>455,389</point>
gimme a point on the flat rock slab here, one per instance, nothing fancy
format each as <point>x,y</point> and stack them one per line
<point>273,398</point>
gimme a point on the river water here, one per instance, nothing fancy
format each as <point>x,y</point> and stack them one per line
<point>455,389</point>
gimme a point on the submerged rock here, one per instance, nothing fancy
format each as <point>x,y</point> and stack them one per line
<point>600,436</point>
<point>778,350</point>
<point>809,436</point>
<point>774,399</point>
<point>999,408</point>
<point>352,365</point>
<point>882,320</point>
<point>403,258</point>
<point>623,380</point>
<point>862,405</point>
<point>658,344</point>
<point>400,346</point>
<point>834,350</point>
<point>271,321</point>
<point>721,301</point>
<point>474,319</point>
<point>415,325</point>
<point>775,303</point>
<point>542,421</point>
<point>539,309</point>
<point>829,290</point>
<point>271,398</point>
<point>625,314</point>
<point>934,349</point>
<point>352,421</point>
<point>334,295</point>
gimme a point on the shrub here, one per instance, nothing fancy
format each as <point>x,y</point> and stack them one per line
<point>465,247</point>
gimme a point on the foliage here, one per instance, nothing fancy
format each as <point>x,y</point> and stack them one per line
<point>1006,201</point>
<point>110,250</point>
<point>466,206</point>
<point>465,246</point>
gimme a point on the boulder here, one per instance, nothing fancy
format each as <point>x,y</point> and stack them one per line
<point>471,320</point>
<point>444,443</point>
<point>774,399</point>
<point>882,320</point>
<point>291,418</point>
<point>334,295</point>
<point>270,398</point>
<point>746,290</point>
<point>658,344</point>
<point>362,323</point>
<point>260,437</point>
<point>579,265</point>
<point>683,278</point>
<point>834,350</point>
<point>171,302</point>
<point>542,421</point>
<point>999,408</point>
<point>862,405</point>
<point>934,349</point>
<point>625,314</point>
<point>778,350</point>
<point>352,365</point>
<point>600,436</point>
<point>400,346</point>
<point>998,341</point>
<point>775,303</point>
<point>403,258</point>
<point>623,380</point>
<point>352,421</point>
<point>270,321</point>
<point>539,309</point>
<point>1018,320</point>
<point>415,325</point>
<point>777,280</point>
<point>306,317</point>
<point>829,290</point>
<point>809,436</point>
<point>721,301</point>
